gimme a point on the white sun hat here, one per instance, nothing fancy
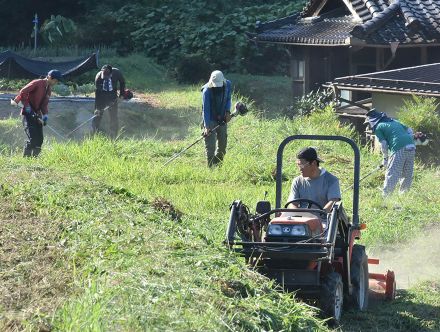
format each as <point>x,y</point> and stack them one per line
<point>216,80</point>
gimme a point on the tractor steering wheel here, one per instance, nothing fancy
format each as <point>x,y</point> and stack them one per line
<point>300,200</point>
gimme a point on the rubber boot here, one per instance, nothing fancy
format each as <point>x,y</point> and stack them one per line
<point>36,151</point>
<point>27,151</point>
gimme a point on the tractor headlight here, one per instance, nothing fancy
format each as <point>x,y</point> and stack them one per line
<point>298,230</point>
<point>274,230</point>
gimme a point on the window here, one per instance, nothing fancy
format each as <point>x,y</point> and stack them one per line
<point>298,68</point>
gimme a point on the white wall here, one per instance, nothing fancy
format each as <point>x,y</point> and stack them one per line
<point>389,103</point>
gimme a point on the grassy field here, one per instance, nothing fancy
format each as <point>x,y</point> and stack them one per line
<point>99,236</point>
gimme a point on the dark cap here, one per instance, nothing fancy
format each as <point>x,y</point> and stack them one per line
<point>308,154</point>
<point>372,113</point>
<point>55,74</point>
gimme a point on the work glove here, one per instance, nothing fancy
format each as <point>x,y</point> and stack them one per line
<point>45,118</point>
<point>14,103</point>
<point>19,104</point>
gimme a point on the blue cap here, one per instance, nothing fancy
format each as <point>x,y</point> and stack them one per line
<point>55,74</point>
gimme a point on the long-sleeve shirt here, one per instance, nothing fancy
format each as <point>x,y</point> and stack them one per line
<point>36,95</point>
<point>210,114</point>
<point>395,134</point>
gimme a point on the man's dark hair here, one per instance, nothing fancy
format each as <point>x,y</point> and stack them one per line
<point>309,154</point>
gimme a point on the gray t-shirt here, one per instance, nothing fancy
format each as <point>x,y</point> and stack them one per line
<point>320,189</point>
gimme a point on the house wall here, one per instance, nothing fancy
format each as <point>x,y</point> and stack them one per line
<point>391,103</point>
<point>321,65</point>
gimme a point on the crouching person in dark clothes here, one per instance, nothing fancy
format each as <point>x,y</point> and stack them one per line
<point>106,97</point>
<point>216,105</point>
<point>33,100</point>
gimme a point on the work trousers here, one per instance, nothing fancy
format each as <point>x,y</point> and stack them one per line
<point>106,102</point>
<point>34,132</point>
<point>215,144</point>
<point>400,168</point>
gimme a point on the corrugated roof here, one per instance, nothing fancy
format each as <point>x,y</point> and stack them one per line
<point>423,79</point>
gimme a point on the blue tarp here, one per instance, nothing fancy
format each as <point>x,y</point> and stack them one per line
<point>14,66</point>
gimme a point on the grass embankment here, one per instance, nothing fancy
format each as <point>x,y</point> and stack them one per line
<point>121,264</point>
<point>134,268</point>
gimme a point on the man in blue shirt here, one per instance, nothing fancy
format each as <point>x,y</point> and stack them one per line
<point>398,139</point>
<point>216,105</point>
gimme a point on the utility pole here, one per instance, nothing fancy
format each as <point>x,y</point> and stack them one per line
<point>35,21</point>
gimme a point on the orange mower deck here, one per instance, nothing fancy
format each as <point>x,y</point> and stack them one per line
<point>382,285</point>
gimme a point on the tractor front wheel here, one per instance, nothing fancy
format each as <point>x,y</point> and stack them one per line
<point>359,278</point>
<point>332,297</point>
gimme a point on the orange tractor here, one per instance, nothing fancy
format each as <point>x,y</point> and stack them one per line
<point>308,250</point>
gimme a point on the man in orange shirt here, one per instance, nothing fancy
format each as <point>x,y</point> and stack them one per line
<point>33,100</point>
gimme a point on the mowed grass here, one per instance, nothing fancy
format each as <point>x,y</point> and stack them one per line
<point>129,265</point>
<point>134,268</point>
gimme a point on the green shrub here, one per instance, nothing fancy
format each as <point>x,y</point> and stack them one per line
<point>192,69</point>
<point>84,89</point>
<point>421,114</point>
<point>311,102</point>
<point>12,85</point>
<point>61,90</point>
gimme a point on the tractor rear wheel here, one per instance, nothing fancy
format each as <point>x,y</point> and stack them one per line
<point>359,278</point>
<point>332,297</point>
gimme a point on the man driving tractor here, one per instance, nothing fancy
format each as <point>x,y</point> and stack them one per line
<point>314,183</point>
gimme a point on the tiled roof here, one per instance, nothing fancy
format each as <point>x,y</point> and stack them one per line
<point>326,31</point>
<point>423,80</point>
<point>374,22</point>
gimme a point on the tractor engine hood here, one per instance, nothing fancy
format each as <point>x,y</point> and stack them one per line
<point>290,226</point>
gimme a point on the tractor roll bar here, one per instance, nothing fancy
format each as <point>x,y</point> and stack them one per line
<point>279,182</point>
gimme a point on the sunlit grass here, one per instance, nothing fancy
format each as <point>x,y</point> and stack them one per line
<point>135,268</point>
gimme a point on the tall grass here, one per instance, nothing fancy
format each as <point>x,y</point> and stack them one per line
<point>136,268</point>
<point>142,270</point>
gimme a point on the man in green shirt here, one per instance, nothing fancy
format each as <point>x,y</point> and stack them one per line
<point>397,139</point>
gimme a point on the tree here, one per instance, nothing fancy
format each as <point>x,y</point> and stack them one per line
<point>58,30</point>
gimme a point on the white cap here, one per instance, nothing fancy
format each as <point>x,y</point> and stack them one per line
<point>216,80</point>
